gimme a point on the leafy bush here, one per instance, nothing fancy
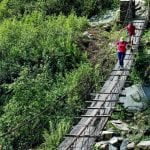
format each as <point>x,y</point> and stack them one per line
<point>41,73</point>
<point>34,41</point>
<point>142,66</point>
<point>9,8</point>
<point>36,101</point>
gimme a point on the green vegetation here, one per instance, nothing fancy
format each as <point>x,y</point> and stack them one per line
<point>41,70</point>
<point>45,77</point>
<point>141,72</point>
<point>17,8</point>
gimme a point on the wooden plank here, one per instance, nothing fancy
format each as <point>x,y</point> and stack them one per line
<point>101,107</point>
<point>81,136</point>
<point>97,116</point>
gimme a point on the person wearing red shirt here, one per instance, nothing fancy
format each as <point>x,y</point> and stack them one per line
<point>131,32</point>
<point>121,49</point>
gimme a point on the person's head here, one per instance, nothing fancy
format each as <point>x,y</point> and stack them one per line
<point>121,39</point>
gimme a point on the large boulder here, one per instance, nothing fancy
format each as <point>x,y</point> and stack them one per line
<point>144,145</point>
<point>137,97</point>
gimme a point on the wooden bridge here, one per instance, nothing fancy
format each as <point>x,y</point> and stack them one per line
<point>91,125</point>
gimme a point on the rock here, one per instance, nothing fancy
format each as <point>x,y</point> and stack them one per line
<point>94,24</point>
<point>106,135</point>
<point>102,145</point>
<point>111,147</point>
<point>124,144</point>
<point>114,140</point>
<point>120,125</point>
<point>137,97</point>
<point>131,145</point>
<point>144,145</point>
<point>107,18</point>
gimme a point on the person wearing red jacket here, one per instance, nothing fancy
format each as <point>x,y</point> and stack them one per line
<point>121,49</point>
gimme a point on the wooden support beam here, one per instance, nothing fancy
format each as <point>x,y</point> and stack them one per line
<point>100,101</point>
<point>97,116</point>
<point>105,102</point>
<point>100,93</point>
<point>139,29</point>
<point>122,70</point>
<point>96,99</point>
<point>118,74</point>
<point>132,58</point>
<point>101,107</point>
<point>81,136</point>
<point>137,36</point>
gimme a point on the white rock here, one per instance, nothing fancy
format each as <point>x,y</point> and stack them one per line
<point>144,145</point>
<point>131,145</point>
<point>120,125</point>
<point>114,140</point>
<point>137,97</point>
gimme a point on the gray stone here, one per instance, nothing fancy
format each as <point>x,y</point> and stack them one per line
<point>114,140</point>
<point>131,145</point>
<point>111,147</point>
<point>144,145</point>
<point>120,125</point>
<point>107,18</point>
<point>124,144</point>
<point>137,97</point>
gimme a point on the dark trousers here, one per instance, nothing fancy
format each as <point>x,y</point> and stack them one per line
<point>121,56</point>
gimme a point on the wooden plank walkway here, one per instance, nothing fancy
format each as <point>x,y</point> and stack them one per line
<point>91,125</point>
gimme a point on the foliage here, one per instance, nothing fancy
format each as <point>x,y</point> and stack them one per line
<point>9,8</point>
<point>34,41</point>
<point>141,72</point>
<point>57,132</point>
<point>43,76</point>
<point>141,130</point>
<point>40,95</point>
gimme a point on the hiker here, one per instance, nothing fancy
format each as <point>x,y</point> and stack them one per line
<point>121,49</point>
<point>131,32</point>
